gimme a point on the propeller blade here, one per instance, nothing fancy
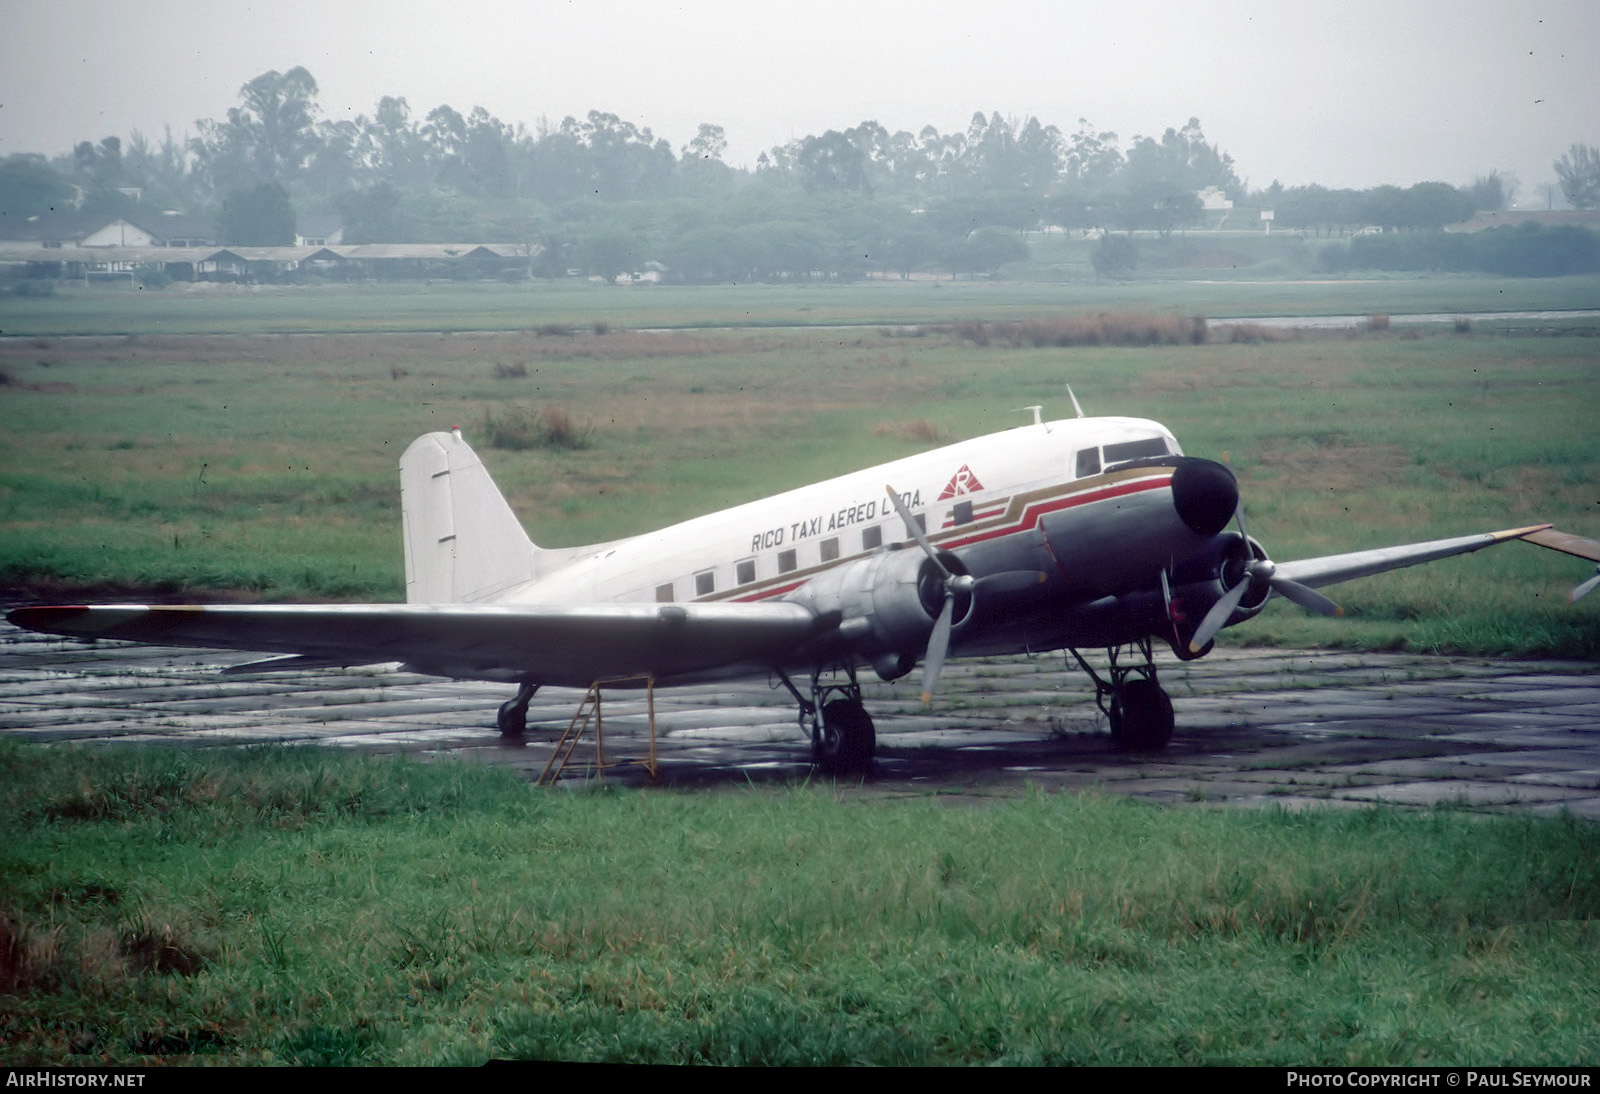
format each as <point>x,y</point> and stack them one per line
<point>1586,588</point>
<point>1305,596</point>
<point>1166,604</point>
<point>1217,616</point>
<point>938,645</point>
<point>916,530</point>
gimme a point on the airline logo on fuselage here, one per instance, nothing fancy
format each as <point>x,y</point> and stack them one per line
<point>962,482</point>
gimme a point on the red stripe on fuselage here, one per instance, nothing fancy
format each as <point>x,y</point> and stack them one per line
<point>1032,512</point>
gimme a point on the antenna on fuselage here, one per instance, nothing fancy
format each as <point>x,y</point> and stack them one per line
<point>1074,399</point>
<point>1038,418</point>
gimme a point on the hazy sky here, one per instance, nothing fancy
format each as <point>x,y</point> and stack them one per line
<point>1346,93</point>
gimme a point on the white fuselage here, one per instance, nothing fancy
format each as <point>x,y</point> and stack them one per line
<point>971,493</point>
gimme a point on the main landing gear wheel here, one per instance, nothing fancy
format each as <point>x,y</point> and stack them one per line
<point>842,740</point>
<point>512,720</point>
<point>1139,711</point>
<point>1141,717</point>
<point>842,737</point>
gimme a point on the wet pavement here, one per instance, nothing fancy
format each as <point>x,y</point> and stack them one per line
<point>1255,726</point>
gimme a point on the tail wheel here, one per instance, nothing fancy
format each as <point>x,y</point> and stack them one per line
<point>512,720</point>
<point>842,741</point>
<point>1141,717</point>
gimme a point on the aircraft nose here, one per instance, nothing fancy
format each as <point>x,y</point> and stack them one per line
<point>1205,494</point>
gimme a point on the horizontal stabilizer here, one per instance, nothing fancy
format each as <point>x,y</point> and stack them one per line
<point>572,647</point>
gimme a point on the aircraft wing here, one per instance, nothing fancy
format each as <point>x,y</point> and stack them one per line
<point>562,646</point>
<point>1331,569</point>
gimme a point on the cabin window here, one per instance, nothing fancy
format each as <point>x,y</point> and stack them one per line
<point>787,561</point>
<point>664,593</point>
<point>1088,463</point>
<point>705,583</point>
<point>962,512</point>
<point>745,572</point>
<point>830,549</point>
<point>1135,450</point>
<point>872,538</point>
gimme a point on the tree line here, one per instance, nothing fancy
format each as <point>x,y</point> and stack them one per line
<point>601,195</point>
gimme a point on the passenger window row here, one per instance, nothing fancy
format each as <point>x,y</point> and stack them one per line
<point>744,571</point>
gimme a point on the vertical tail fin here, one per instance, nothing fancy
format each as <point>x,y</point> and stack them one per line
<point>463,543</point>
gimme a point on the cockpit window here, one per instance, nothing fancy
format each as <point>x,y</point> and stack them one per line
<point>1135,450</point>
<point>1088,463</point>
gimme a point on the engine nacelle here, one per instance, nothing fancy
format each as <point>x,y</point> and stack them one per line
<point>887,605</point>
<point>1193,588</point>
<point>1205,577</point>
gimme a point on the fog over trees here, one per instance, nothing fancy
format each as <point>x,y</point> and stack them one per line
<point>601,195</point>
<point>1579,174</point>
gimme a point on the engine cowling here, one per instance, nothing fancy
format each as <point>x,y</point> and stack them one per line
<point>1204,578</point>
<point>887,604</point>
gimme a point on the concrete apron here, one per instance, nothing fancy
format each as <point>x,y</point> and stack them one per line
<point>1285,728</point>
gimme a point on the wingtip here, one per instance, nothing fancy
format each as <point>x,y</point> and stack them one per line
<point>1518,533</point>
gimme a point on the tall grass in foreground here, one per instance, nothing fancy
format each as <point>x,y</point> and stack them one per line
<point>304,907</point>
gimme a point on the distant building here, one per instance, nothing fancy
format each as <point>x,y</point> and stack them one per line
<point>651,273</point>
<point>318,230</point>
<point>154,229</point>
<point>76,259</point>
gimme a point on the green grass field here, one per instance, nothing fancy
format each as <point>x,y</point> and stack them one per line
<point>264,465</point>
<point>297,906</point>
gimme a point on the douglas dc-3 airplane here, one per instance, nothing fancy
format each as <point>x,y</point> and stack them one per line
<point>1073,534</point>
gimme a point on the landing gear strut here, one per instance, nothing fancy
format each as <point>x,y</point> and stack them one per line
<point>512,720</point>
<point>841,731</point>
<point>1132,700</point>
